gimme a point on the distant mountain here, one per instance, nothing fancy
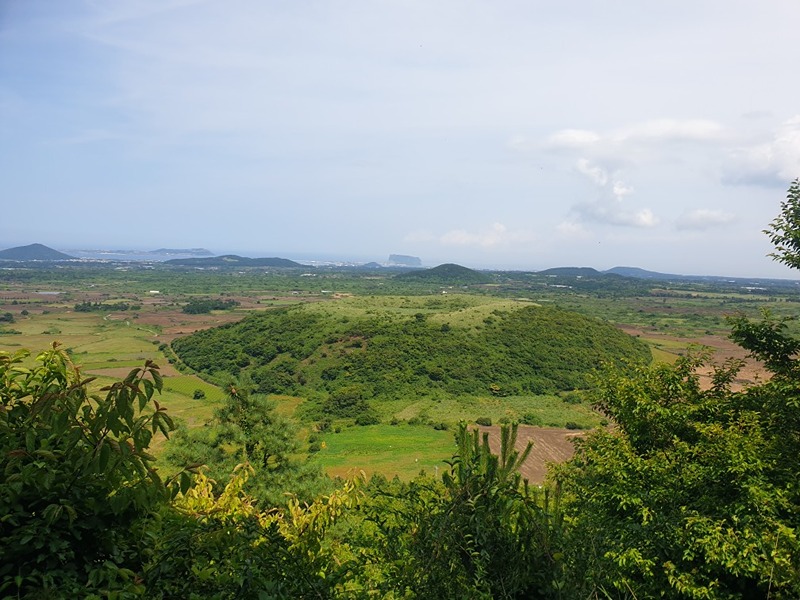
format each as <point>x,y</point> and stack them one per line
<point>406,261</point>
<point>232,260</point>
<point>33,252</point>
<point>571,272</point>
<point>638,273</point>
<point>448,274</point>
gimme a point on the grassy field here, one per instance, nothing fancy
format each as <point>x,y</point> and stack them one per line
<point>548,411</point>
<point>107,344</point>
<point>402,450</point>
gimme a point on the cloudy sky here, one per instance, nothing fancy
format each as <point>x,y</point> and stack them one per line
<point>492,133</point>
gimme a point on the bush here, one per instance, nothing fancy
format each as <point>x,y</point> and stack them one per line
<point>572,397</point>
<point>531,419</point>
<point>572,425</point>
<point>199,395</point>
<point>368,418</point>
<point>77,479</point>
<point>485,421</point>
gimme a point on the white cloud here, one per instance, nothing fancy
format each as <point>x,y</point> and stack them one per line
<point>773,163</point>
<point>494,236</point>
<point>573,138</point>
<point>572,230</point>
<point>629,139</point>
<point>703,218</point>
<point>594,172</point>
<point>672,130</point>
<point>419,236</point>
<point>611,212</point>
<point>609,207</point>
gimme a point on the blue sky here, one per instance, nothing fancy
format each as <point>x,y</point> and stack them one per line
<point>511,134</point>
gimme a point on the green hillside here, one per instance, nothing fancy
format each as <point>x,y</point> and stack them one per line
<point>455,349</point>
<point>33,252</point>
<point>232,260</point>
<point>446,274</point>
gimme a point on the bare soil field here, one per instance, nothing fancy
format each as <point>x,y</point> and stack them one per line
<point>549,446</point>
<point>721,347</point>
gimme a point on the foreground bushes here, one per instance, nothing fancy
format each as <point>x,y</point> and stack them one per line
<point>694,496</point>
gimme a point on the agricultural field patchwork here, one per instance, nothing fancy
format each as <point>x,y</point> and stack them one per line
<point>107,342</point>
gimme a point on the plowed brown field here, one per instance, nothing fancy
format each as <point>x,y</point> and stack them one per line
<point>549,446</point>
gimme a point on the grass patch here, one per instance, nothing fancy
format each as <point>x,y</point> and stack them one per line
<point>550,410</point>
<point>663,356</point>
<point>401,450</point>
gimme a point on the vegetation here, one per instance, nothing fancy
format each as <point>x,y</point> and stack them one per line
<point>77,481</point>
<point>346,361</point>
<point>232,260</point>
<point>198,306</point>
<point>784,231</point>
<point>696,495</point>
<point>447,274</point>
<point>246,429</point>
<point>693,493</point>
<point>99,306</point>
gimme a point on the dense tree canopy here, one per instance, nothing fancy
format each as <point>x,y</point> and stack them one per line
<point>530,350</point>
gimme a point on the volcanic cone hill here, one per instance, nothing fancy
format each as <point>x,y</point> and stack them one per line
<point>446,274</point>
<point>33,252</point>
<point>392,347</point>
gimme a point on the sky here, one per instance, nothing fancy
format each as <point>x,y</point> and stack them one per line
<point>490,133</point>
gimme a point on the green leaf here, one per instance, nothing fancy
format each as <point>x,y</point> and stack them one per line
<point>52,513</point>
<point>157,379</point>
<point>105,454</point>
<point>186,482</point>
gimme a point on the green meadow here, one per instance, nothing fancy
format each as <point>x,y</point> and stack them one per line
<point>391,450</point>
<point>107,344</point>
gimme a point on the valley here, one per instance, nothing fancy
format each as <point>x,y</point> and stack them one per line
<point>437,387</point>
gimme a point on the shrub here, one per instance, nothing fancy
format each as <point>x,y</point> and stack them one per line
<point>368,418</point>
<point>572,397</point>
<point>531,419</point>
<point>486,421</point>
<point>77,478</point>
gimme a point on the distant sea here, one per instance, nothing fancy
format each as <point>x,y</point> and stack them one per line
<point>161,256</point>
<point>135,255</point>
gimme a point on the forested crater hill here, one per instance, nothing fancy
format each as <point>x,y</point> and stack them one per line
<point>377,349</point>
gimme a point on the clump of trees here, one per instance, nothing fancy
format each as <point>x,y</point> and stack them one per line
<point>198,306</point>
<point>99,306</point>
<point>531,350</point>
<point>247,430</point>
<point>696,494</point>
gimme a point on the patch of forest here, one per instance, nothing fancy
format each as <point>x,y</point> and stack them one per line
<point>521,350</point>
